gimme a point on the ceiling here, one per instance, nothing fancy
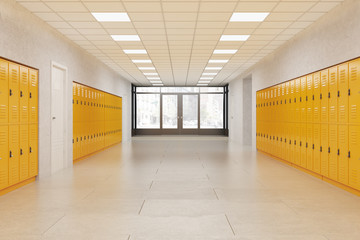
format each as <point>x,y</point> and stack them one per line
<point>179,36</point>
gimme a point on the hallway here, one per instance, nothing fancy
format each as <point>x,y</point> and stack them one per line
<point>179,188</point>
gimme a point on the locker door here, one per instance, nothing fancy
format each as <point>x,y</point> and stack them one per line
<point>286,102</point>
<point>303,100</point>
<point>324,96</point>
<point>14,93</point>
<point>309,147</point>
<point>14,154</point>
<point>303,133</point>
<point>297,101</point>
<point>354,162</point>
<point>291,101</point>
<point>4,92</point>
<point>33,96</point>
<point>316,98</point>
<point>343,160</point>
<point>316,147</point>
<point>309,98</point>
<point>343,97</point>
<point>297,138</point>
<point>24,152</point>
<point>333,158</point>
<point>354,90</point>
<point>4,156</point>
<point>24,94</point>
<point>33,150</point>
<point>75,101</point>
<point>324,150</point>
<point>333,88</point>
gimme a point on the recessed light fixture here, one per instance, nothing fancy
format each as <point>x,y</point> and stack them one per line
<point>201,82</point>
<point>225,51</point>
<point>206,78</point>
<point>153,78</point>
<point>111,17</point>
<point>234,38</point>
<point>209,74</point>
<point>141,61</point>
<point>126,38</point>
<point>155,82</point>
<point>218,61</point>
<point>135,51</point>
<point>151,74</point>
<point>213,68</point>
<point>248,17</point>
<point>158,84</point>
<point>146,68</point>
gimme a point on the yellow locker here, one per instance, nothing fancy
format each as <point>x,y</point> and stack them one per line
<point>354,160</point>
<point>325,150</point>
<point>333,147</point>
<point>33,96</point>
<point>303,133</point>
<point>33,149</point>
<point>291,101</point>
<point>343,149</point>
<point>4,92</point>
<point>286,102</point>
<point>297,149</point>
<point>303,87</point>
<point>309,147</point>
<point>4,156</point>
<point>354,91</point>
<point>343,99</point>
<point>309,98</point>
<point>14,154</point>
<point>333,88</point>
<point>297,101</point>
<point>317,148</point>
<point>24,152</point>
<point>24,94</point>
<point>324,96</point>
<point>14,93</point>
<point>316,97</point>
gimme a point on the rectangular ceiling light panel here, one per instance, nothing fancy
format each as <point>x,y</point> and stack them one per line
<point>111,17</point>
<point>128,38</point>
<point>248,17</point>
<point>218,61</point>
<point>141,61</point>
<point>225,51</point>
<point>146,68</point>
<point>235,38</point>
<point>135,51</point>
<point>209,74</point>
<point>213,68</point>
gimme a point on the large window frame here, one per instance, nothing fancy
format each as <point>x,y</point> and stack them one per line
<point>180,92</point>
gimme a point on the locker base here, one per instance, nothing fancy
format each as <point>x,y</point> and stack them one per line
<point>16,186</point>
<point>91,154</point>
<point>337,184</point>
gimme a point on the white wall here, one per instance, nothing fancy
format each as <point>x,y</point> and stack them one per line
<point>333,39</point>
<point>26,39</point>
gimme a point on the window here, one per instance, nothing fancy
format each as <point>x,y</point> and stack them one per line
<point>148,111</point>
<point>211,111</point>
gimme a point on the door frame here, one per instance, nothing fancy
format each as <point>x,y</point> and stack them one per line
<point>67,135</point>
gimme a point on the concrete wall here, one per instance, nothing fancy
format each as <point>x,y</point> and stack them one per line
<point>26,39</point>
<point>331,40</point>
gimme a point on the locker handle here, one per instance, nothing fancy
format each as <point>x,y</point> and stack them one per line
<point>349,154</point>
<point>338,153</point>
<point>21,94</point>
<point>320,95</point>
<point>338,94</point>
<point>306,98</point>
<point>321,149</point>
<point>349,92</point>
<point>306,145</point>
<point>329,95</point>
<point>313,146</point>
<point>30,96</point>
<point>10,92</point>
<point>294,142</point>
<point>328,149</point>
<point>289,141</point>
<point>77,139</point>
<point>300,143</point>
<point>294,100</point>
<point>30,150</point>
<point>313,97</point>
<point>11,154</point>
<point>300,99</point>
<point>21,152</point>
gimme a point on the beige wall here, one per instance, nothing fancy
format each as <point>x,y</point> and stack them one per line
<point>331,40</point>
<point>27,39</point>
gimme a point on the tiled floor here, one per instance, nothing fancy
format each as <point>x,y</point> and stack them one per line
<point>194,188</point>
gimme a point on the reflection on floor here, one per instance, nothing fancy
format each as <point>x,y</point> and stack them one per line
<point>194,188</point>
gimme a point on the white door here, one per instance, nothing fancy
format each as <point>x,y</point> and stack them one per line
<point>58,79</point>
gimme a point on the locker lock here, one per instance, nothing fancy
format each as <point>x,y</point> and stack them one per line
<point>21,152</point>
